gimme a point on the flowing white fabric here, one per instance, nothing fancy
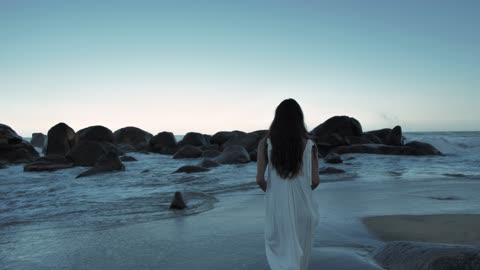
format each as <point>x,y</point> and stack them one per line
<point>291,216</point>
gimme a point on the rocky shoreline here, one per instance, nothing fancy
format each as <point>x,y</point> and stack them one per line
<point>103,150</point>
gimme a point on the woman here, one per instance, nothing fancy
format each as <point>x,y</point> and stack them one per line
<point>292,174</point>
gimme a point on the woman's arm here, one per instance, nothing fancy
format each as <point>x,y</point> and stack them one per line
<point>261,165</point>
<point>315,175</point>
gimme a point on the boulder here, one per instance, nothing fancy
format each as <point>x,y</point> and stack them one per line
<point>342,125</point>
<point>395,136</point>
<point>8,135</point>
<point>210,147</point>
<point>178,202</point>
<point>38,140</point>
<point>357,140</point>
<point>208,163</point>
<point>127,158</point>
<point>399,255</point>
<point>222,136</point>
<point>207,138</point>
<point>253,155</point>
<point>87,153</point>
<point>421,148</point>
<point>110,147</point>
<point>48,163</point>
<point>371,137</point>
<point>387,136</point>
<point>193,138</point>
<point>333,139</point>
<point>188,151</point>
<point>210,153</point>
<point>262,133</point>
<point>412,149</point>
<point>333,158</point>
<point>109,162</point>
<point>233,154</point>
<point>382,134</point>
<point>191,169</point>
<point>248,140</point>
<point>135,137</point>
<point>164,143</point>
<point>324,148</point>
<point>13,149</point>
<point>95,134</point>
<point>60,139</point>
<point>330,170</point>
<point>126,148</point>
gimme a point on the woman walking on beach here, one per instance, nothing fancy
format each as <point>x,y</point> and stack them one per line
<point>291,162</point>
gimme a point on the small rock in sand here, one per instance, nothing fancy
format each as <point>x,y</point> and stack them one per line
<point>330,170</point>
<point>178,202</point>
<point>191,169</point>
<point>333,158</point>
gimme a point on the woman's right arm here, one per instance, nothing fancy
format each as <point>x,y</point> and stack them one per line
<point>315,175</point>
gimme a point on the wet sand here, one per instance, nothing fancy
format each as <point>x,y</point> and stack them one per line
<point>230,236</point>
<point>443,228</point>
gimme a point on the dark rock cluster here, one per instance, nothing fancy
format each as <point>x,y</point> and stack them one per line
<point>343,134</point>
<point>103,150</point>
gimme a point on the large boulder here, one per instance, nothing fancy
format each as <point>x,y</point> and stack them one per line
<point>222,136</point>
<point>358,140</point>
<point>87,153</point>
<point>395,136</point>
<point>191,169</point>
<point>233,154</point>
<point>48,163</point>
<point>164,143</point>
<point>422,148</point>
<point>38,140</point>
<point>387,136</point>
<point>210,147</point>
<point>13,149</point>
<point>370,137</point>
<point>193,138</point>
<point>8,135</point>
<point>382,134</point>
<point>401,255</point>
<point>248,140</point>
<point>210,153</point>
<point>60,139</point>
<point>94,133</point>
<point>253,155</point>
<point>110,162</point>
<point>188,151</point>
<point>341,125</point>
<point>135,137</point>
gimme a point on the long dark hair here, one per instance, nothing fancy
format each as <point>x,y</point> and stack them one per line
<point>287,133</point>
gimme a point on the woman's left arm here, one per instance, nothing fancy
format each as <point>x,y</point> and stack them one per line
<point>261,165</point>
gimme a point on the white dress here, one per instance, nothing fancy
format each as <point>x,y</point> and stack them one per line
<point>291,216</point>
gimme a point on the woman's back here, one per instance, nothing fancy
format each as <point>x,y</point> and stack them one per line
<point>291,215</point>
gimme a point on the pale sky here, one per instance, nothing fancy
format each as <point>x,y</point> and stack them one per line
<point>221,65</point>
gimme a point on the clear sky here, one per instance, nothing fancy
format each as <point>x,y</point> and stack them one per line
<point>221,65</point>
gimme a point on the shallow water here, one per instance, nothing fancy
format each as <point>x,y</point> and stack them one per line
<point>56,202</point>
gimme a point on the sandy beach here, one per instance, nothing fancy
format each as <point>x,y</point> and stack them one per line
<point>230,236</point>
<point>446,228</point>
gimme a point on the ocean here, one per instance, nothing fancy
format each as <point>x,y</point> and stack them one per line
<point>56,201</point>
